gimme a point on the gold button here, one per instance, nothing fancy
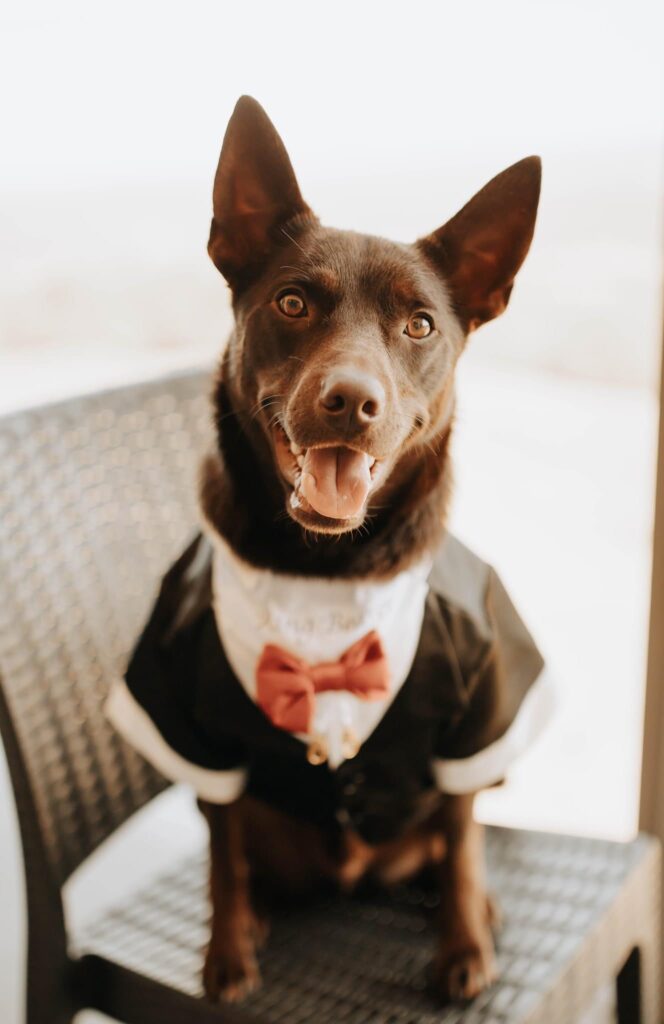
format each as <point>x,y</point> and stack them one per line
<point>317,751</point>
<point>349,744</point>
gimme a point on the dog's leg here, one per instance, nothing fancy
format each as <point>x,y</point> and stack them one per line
<point>465,961</point>
<point>230,970</point>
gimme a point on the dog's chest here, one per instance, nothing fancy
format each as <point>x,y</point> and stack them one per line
<point>318,620</point>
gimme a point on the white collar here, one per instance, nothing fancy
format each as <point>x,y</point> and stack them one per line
<point>318,619</point>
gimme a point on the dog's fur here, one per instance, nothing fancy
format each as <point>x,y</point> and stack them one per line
<point>359,294</point>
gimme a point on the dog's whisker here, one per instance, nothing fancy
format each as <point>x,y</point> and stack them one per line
<point>264,404</point>
<point>275,420</point>
<point>294,241</point>
<point>298,270</point>
<point>428,444</point>
<point>226,416</point>
<point>267,400</point>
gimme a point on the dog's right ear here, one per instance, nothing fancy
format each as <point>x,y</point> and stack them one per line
<point>480,250</point>
<point>255,194</point>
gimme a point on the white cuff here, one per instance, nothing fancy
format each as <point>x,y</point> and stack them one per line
<point>135,725</point>
<point>488,766</point>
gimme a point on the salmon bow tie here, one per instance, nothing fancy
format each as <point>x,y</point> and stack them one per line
<point>287,685</point>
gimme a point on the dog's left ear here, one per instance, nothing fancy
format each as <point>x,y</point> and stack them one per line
<point>480,250</point>
<point>255,194</point>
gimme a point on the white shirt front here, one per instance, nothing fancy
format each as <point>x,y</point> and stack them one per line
<point>318,619</point>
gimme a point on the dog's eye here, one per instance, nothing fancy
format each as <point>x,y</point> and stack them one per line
<point>419,326</point>
<point>292,304</point>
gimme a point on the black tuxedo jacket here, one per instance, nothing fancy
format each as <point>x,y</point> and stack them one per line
<point>471,702</point>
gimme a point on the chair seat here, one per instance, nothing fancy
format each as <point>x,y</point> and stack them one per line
<point>566,904</point>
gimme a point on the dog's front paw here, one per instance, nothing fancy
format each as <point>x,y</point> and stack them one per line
<point>229,973</point>
<point>463,973</point>
<point>466,962</point>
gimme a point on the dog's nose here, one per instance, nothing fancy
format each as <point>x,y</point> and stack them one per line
<point>351,397</point>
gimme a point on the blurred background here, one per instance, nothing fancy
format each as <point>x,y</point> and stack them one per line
<point>394,114</point>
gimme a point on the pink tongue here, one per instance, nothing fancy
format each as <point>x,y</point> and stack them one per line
<point>336,481</point>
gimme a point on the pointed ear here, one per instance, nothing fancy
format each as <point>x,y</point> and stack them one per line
<point>255,193</point>
<point>481,249</point>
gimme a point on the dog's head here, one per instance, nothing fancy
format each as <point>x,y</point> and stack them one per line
<point>341,364</point>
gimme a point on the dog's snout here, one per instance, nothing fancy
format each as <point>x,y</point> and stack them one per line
<point>352,397</point>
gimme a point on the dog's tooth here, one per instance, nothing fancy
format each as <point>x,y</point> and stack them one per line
<point>295,448</point>
<point>300,461</point>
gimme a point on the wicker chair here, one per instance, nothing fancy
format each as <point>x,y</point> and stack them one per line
<point>97,496</point>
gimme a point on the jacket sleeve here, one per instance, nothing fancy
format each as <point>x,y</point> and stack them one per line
<point>155,707</point>
<point>508,695</point>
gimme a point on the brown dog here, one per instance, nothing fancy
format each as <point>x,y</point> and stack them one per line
<point>334,408</point>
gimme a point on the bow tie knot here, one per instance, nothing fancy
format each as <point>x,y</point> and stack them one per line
<point>329,675</point>
<point>287,685</point>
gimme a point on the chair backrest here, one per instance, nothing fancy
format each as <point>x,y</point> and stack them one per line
<point>97,497</point>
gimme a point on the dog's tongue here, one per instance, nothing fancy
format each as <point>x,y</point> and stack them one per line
<point>336,481</point>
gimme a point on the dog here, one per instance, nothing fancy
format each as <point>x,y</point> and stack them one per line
<point>325,507</point>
